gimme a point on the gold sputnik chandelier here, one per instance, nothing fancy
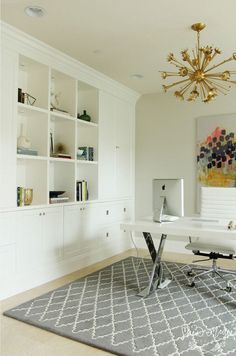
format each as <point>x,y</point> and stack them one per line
<point>200,80</point>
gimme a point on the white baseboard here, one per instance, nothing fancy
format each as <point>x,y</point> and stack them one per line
<point>19,283</point>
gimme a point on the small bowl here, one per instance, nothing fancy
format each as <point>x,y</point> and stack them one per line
<point>55,193</point>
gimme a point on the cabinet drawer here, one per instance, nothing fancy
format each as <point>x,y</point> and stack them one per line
<point>112,212</point>
<point>108,234</point>
<point>7,228</point>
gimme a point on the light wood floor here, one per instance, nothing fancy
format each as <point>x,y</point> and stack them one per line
<point>20,339</point>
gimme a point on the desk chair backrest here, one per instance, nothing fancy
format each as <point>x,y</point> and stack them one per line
<point>219,203</point>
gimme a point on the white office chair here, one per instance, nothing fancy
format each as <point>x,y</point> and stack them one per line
<point>216,203</point>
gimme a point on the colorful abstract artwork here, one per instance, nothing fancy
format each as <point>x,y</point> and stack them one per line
<point>216,151</point>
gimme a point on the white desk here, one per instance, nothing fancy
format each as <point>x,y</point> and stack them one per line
<point>194,227</point>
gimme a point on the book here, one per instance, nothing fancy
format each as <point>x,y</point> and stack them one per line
<point>27,151</point>
<point>20,196</point>
<point>61,155</point>
<point>81,190</point>
<point>87,153</point>
<point>59,200</point>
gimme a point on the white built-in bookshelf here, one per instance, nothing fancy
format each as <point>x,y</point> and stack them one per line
<point>47,130</point>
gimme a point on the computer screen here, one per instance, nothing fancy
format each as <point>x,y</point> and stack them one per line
<point>168,199</point>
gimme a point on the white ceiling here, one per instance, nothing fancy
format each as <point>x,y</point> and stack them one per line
<point>125,37</point>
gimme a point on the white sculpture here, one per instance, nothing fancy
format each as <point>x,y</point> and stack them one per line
<point>23,141</point>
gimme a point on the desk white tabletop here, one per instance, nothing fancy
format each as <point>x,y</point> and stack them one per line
<point>187,226</point>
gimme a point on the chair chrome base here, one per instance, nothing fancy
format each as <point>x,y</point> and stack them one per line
<point>214,270</point>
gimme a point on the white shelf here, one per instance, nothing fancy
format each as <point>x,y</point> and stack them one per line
<point>80,161</point>
<point>31,157</point>
<point>22,107</point>
<point>67,160</point>
<point>62,115</point>
<point>87,123</point>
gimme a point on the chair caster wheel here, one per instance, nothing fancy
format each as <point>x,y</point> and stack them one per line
<point>191,284</point>
<point>228,289</point>
<point>190,273</point>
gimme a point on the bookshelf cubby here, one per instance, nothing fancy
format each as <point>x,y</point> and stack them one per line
<point>33,78</point>
<point>63,93</point>
<point>32,173</point>
<point>51,122</point>
<point>61,177</point>
<point>89,173</point>
<point>63,132</point>
<point>34,125</point>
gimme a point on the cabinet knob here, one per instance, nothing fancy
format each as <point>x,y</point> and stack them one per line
<point>124,210</point>
<point>107,234</point>
<point>40,214</point>
<point>117,147</point>
<point>107,212</point>
<point>43,213</point>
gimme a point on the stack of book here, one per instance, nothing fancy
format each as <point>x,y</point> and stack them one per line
<point>26,151</point>
<point>61,155</point>
<point>82,190</point>
<point>20,196</point>
<point>87,154</point>
<point>59,200</point>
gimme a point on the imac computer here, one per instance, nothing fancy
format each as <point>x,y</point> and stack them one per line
<point>168,199</point>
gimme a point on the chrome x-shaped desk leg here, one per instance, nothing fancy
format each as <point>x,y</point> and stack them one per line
<point>157,278</point>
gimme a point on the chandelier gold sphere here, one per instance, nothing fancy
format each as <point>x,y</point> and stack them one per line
<point>199,78</point>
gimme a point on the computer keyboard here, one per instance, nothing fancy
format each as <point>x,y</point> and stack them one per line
<point>169,218</point>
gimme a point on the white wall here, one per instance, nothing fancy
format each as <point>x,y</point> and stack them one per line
<point>165,143</point>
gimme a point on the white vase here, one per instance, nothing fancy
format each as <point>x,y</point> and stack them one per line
<point>23,141</point>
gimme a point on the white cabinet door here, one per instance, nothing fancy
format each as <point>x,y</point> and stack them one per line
<point>7,228</point>
<point>80,228</point>
<point>115,147</point>
<point>7,253</point>
<point>123,144</point>
<point>73,229</point>
<point>52,234</point>
<point>29,240</point>
<point>107,150</point>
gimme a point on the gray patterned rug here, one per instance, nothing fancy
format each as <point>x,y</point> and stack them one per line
<point>102,310</point>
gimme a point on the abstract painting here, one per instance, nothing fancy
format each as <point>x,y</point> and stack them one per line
<point>216,151</point>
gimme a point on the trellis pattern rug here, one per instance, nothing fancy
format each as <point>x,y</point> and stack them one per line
<point>104,311</point>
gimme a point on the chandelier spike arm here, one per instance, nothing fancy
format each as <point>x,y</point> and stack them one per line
<point>176,62</point>
<point>166,87</point>
<point>185,88</point>
<point>202,92</point>
<point>219,64</point>
<point>231,81</point>
<point>218,87</point>
<point>186,58</point>
<point>217,51</point>
<point>195,59</point>
<point>180,93</point>
<point>169,74</point>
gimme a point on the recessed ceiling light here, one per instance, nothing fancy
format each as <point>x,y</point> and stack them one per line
<point>137,76</point>
<point>35,11</point>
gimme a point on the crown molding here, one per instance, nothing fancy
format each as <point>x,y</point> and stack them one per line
<point>18,41</point>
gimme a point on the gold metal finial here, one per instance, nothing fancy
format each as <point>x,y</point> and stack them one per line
<point>199,78</point>
<point>199,26</point>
